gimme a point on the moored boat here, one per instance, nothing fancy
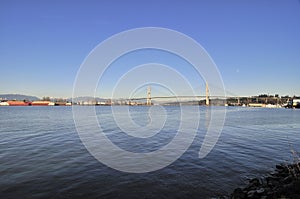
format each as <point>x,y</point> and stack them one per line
<point>296,103</point>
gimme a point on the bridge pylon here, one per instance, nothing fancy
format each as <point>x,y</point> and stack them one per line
<point>206,94</point>
<point>148,103</point>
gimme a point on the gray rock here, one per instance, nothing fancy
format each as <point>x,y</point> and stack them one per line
<point>280,167</point>
<point>288,179</point>
<point>260,191</point>
<point>251,193</point>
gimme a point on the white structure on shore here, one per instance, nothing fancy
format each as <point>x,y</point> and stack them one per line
<point>4,104</point>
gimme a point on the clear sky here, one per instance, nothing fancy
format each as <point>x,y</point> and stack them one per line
<point>254,43</point>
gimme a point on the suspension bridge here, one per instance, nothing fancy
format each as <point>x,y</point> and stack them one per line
<point>149,98</point>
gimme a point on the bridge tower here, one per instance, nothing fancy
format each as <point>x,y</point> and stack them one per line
<point>149,96</point>
<point>206,95</point>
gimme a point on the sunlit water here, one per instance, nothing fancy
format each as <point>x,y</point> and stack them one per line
<point>42,156</point>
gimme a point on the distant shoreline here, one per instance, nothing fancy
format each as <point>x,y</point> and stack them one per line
<point>268,101</point>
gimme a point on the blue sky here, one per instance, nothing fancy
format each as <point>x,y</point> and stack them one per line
<point>254,43</point>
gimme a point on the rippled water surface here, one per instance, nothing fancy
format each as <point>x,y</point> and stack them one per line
<point>42,156</point>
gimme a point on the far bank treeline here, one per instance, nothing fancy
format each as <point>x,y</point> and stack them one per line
<point>263,99</point>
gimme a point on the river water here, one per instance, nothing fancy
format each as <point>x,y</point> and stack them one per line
<point>42,156</point>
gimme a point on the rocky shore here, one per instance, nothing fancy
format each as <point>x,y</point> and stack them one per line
<point>284,182</point>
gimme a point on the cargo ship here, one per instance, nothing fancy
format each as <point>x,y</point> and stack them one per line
<point>18,103</point>
<point>40,103</point>
<point>34,103</point>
